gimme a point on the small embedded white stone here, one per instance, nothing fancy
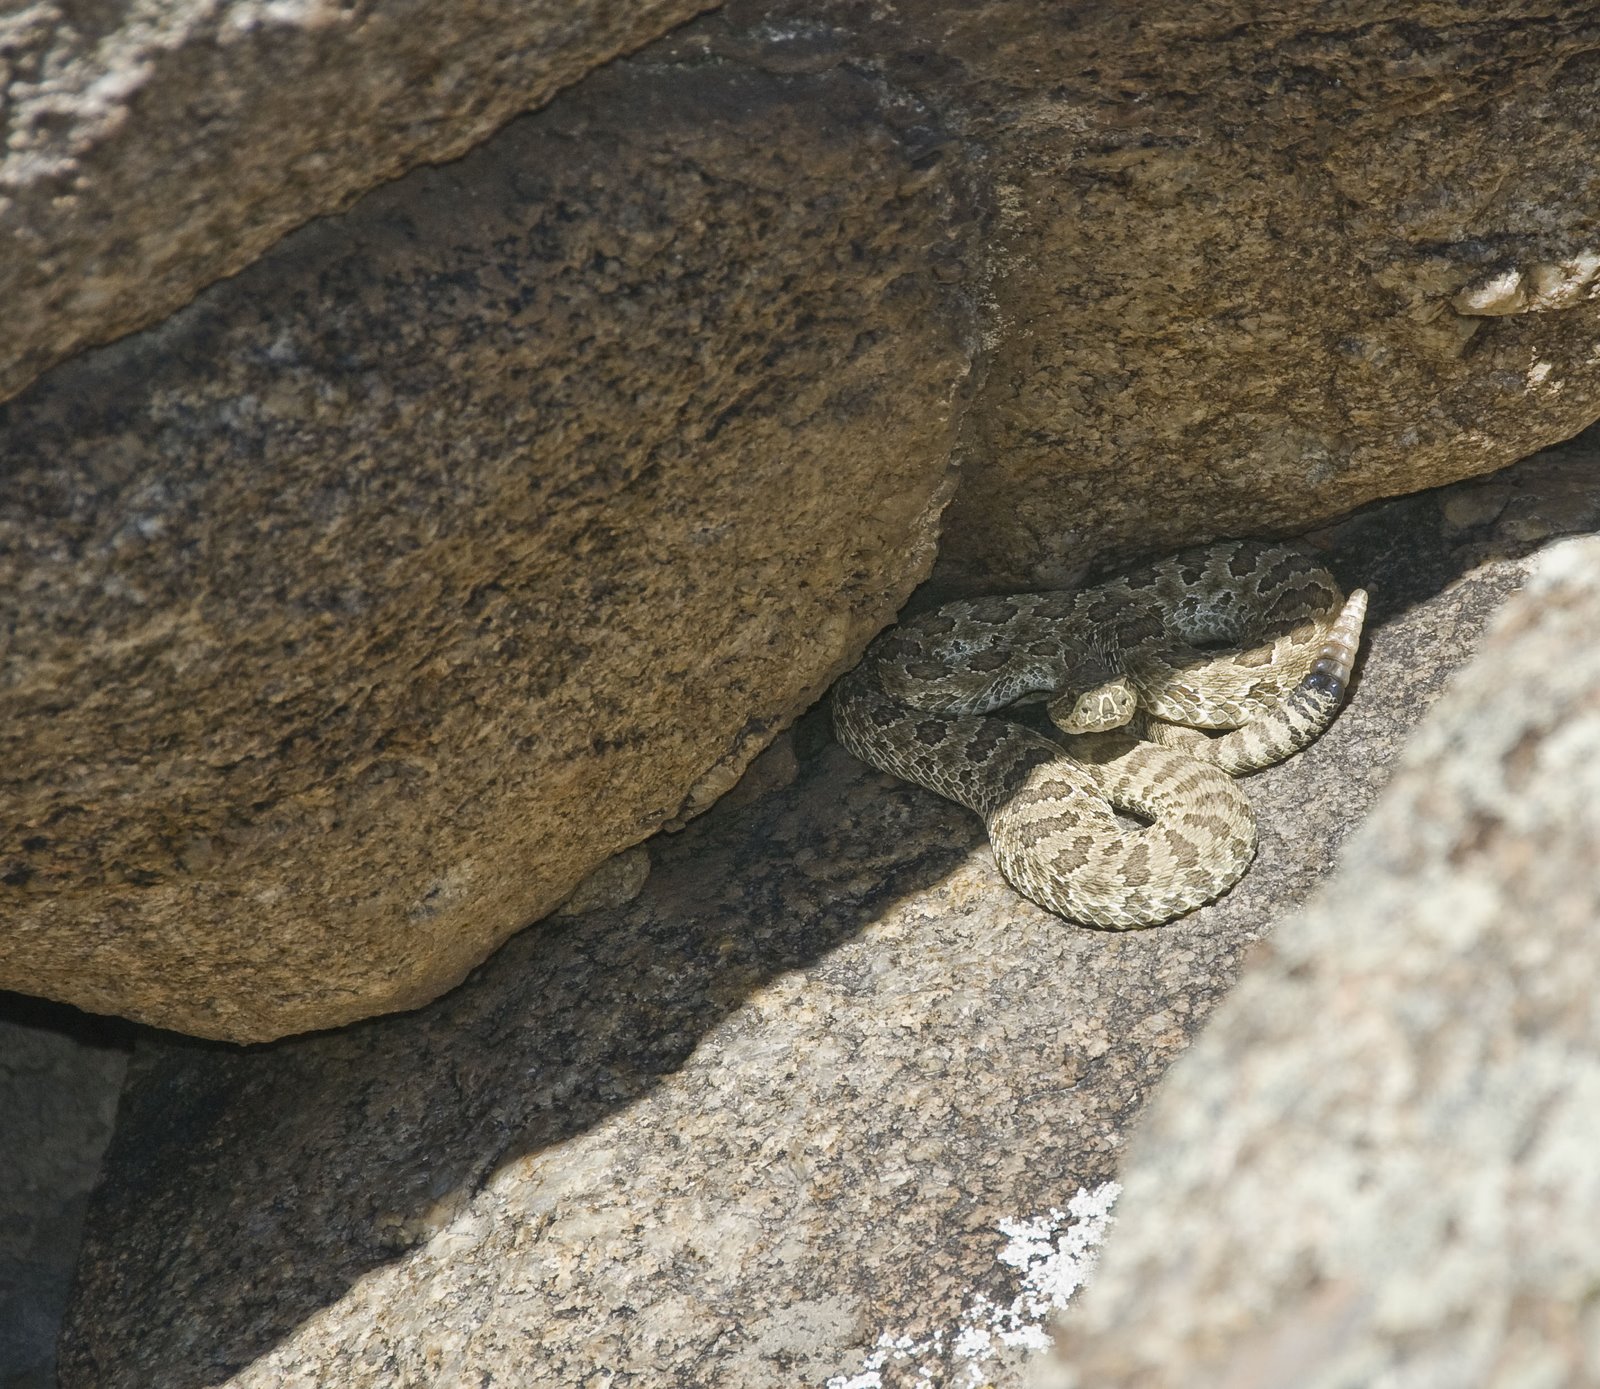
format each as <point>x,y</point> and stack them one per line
<point>1503,294</point>
<point>1559,285</point>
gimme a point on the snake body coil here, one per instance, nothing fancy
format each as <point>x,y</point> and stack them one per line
<point>1249,638</point>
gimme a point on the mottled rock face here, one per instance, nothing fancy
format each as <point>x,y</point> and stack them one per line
<point>146,150</point>
<point>1247,269</point>
<point>1255,269</point>
<point>360,610</point>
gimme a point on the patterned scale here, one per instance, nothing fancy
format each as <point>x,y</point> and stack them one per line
<point>1248,638</point>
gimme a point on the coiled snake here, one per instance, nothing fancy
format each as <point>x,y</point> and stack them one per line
<point>1249,637</point>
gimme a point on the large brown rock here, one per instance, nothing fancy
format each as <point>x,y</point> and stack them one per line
<point>362,608</point>
<point>147,150</point>
<point>1378,1164</point>
<point>1258,266</point>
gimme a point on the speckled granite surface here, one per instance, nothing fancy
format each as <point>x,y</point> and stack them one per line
<point>357,612</point>
<point>779,1105</point>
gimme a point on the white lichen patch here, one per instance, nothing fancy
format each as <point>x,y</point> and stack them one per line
<point>1052,1263</point>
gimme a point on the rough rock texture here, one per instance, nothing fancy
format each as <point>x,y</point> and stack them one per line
<point>60,1073</point>
<point>780,1103</point>
<point>1378,1165</point>
<point>364,607</point>
<point>615,883</point>
<point>1263,264</point>
<point>1250,266</point>
<point>147,150</point>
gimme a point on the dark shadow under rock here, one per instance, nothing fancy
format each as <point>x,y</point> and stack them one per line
<point>60,1071</point>
<point>733,1131</point>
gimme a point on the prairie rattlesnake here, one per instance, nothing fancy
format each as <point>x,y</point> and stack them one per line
<point>1246,636</point>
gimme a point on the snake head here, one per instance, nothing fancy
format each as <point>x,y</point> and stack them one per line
<point>1106,706</point>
